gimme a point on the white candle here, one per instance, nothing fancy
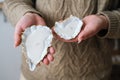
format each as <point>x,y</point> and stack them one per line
<point>36,40</point>
<point>69,28</point>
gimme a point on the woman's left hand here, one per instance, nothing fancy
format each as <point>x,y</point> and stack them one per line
<point>92,24</point>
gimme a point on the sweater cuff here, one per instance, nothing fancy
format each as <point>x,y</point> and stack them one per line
<point>18,11</point>
<point>112,28</point>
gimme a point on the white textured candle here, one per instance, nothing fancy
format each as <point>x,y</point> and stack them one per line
<point>36,41</point>
<point>69,28</point>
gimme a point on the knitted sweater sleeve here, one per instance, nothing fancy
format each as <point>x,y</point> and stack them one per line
<point>113,30</point>
<point>15,9</point>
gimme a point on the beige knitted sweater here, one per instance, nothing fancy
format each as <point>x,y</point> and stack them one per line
<point>89,60</point>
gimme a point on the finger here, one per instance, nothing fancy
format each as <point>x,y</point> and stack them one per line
<point>41,23</point>
<point>17,36</point>
<point>40,20</point>
<point>46,61</point>
<point>51,50</point>
<point>86,33</point>
<point>50,57</point>
<point>82,35</point>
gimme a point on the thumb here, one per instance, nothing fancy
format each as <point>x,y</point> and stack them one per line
<point>82,36</point>
<point>86,33</point>
<point>17,36</point>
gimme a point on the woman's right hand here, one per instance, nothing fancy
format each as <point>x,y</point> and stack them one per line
<point>26,21</point>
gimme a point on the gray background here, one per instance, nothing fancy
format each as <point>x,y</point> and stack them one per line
<point>10,57</point>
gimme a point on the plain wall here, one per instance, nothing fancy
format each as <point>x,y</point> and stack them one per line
<point>10,57</point>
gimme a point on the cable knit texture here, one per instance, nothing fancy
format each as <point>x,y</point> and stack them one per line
<point>89,60</point>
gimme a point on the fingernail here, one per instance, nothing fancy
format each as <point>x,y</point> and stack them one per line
<point>79,40</point>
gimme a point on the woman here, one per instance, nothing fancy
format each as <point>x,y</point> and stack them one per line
<point>88,60</point>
